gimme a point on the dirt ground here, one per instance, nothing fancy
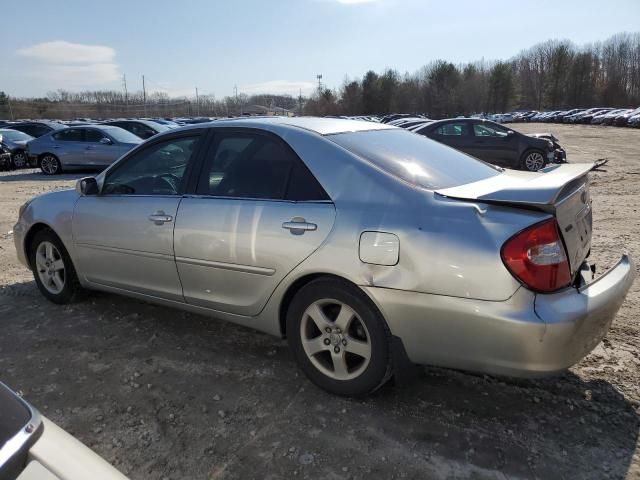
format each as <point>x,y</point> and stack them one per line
<point>164,394</point>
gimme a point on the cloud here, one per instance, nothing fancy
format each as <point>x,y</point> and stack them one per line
<point>60,51</point>
<point>69,65</point>
<point>279,87</point>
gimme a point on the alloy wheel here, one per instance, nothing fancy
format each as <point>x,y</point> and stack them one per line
<point>19,160</point>
<point>49,164</point>
<point>534,161</point>
<point>335,339</point>
<point>50,267</point>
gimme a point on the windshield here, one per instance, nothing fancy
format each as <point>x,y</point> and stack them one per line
<point>415,158</point>
<point>122,135</point>
<point>14,135</point>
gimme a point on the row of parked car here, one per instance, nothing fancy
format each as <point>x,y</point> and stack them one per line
<point>619,117</point>
<point>55,145</point>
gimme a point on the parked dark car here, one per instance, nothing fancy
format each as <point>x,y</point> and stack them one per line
<point>5,158</point>
<point>494,143</point>
<point>35,129</point>
<point>623,119</point>
<point>15,142</point>
<point>140,128</point>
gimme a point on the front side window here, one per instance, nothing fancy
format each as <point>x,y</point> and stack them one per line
<point>257,166</point>
<point>69,135</point>
<point>93,136</point>
<point>488,130</point>
<point>156,170</point>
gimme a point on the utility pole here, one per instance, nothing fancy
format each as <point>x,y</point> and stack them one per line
<point>197,103</point>
<point>319,77</point>
<point>235,88</point>
<point>144,96</point>
<point>300,102</point>
<point>126,93</point>
<point>10,108</point>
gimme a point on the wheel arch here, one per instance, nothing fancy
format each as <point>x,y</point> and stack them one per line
<point>304,280</point>
<point>31,234</point>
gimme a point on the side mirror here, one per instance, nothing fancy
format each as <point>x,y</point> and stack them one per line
<point>510,133</point>
<point>87,186</point>
<point>106,141</point>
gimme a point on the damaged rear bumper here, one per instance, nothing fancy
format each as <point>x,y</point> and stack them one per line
<point>528,335</point>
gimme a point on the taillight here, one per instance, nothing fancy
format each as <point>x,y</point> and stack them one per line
<point>536,257</point>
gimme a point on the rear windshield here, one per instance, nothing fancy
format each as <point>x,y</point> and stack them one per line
<point>415,158</point>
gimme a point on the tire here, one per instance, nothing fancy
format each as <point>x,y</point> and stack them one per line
<point>19,159</point>
<point>49,164</point>
<point>53,269</point>
<point>533,160</point>
<point>353,353</point>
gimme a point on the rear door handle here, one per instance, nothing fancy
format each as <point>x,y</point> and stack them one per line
<point>298,226</point>
<point>160,218</point>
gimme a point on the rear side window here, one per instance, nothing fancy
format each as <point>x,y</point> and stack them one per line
<point>414,158</point>
<point>452,129</point>
<point>245,165</point>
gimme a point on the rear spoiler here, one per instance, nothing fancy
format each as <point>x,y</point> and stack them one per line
<point>526,189</point>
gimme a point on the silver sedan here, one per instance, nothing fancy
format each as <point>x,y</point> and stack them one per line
<point>369,247</point>
<point>90,146</point>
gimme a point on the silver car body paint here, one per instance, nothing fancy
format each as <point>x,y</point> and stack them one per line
<point>449,297</point>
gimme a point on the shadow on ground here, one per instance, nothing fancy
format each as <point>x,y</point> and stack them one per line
<point>162,393</point>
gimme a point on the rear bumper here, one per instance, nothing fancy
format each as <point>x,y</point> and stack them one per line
<point>526,336</point>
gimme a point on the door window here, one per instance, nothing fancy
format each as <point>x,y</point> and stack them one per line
<point>257,166</point>
<point>452,130</point>
<point>156,170</point>
<point>69,135</point>
<point>486,130</point>
<point>93,136</point>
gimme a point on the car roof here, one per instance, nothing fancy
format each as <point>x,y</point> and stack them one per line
<point>322,126</point>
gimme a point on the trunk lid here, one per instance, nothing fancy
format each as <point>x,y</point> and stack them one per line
<point>562,190</point>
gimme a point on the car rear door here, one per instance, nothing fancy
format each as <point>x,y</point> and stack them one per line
<point>68,145</point>
<point>255,214</point>
<point>454,134</point>
<point>124,236</point>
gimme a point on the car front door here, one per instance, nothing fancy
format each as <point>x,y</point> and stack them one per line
<point>101,149</point>
<point>493,143</point>
<point>257,212</point>
<point>124,235</point>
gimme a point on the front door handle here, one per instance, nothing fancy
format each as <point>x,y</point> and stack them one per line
<point>299,225</point>
<point>160,218</point>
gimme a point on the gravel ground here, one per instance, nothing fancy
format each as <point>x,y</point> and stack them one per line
<point>165,394</point>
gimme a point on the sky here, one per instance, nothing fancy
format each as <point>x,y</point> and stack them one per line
<point>274,46</point>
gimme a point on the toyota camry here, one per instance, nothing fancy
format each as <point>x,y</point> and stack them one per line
<point>365,245</point>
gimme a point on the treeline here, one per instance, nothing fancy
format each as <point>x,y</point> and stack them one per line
<point>550,75</point>
<point>64,105</point>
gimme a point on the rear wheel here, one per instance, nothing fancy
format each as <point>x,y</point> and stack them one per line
<point>53,270</point>
<point>19,159</point>
<point>339,338</point>
<point>533,160</point>
<point>49,164</point>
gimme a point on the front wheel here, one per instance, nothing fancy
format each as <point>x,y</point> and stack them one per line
<point>52,268</point>
<point>533,160</point>
<point>50,165</point>
<point>339,338</point>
